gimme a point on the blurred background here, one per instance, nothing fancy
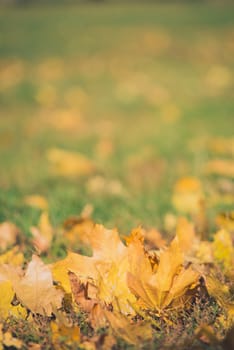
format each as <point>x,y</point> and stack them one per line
<point>109,103</point>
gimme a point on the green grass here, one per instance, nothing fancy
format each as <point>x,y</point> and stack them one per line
<point>134,65</point>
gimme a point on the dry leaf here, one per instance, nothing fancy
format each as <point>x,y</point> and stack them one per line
<point>35,290</point>
<point>226,221</point>
<point>222,294</point>
<point>69,164</point>
<point>157,289</point>
<point>6,297</point>
<point>222,146</point>
<point>222,167</point>
<point>13,257</point>
<point>187,195</point>
<point>10,341</point>
<point>43,234</point>
<point>223,250</point>
<point>36,201</point>
<point>8,234</point>
<point>85,294</point>
<point>132,333</point>
<point>153,239</point>
<point>61,332</point>
<point>186,235</point>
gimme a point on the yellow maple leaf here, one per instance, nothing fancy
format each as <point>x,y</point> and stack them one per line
<point>82,266</point>
<point>6,297</point>
<point>157,289</point>
<point>35,289</point>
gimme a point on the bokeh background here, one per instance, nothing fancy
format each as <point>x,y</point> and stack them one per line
<point>109,103</point>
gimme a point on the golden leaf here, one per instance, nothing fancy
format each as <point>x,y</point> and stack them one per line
<point>187,195</point>
<point>222,167</point>
<point>12,257</point>
<point>226,220</point>
<point>83,266</point>
<point>113,288</point>
<point>6,297</point>
<point>222,294</point>
<point>61,332</point>
<point>223,250</point>
<point>132,333</point>
<point>156,289</point>
<point>36,201</point>
<point>35,290</point>
<point>10,341</point>
<point>69,164</point>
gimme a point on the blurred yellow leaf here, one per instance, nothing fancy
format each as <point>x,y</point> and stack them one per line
<point>8,234</point>
<point>220,167</point>
<point>69,164</point>
<point>225,221</point>
<point>223,249</point>
<point>36,201</point>
<point>43,234</point>
<point>221,146</point>
<point>187,195</point>
<point>186,235</point>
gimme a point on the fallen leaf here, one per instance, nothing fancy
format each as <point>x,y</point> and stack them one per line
<point>225,221</point>
<point>223,250</point>
<point>157,289</point>
<point>69,164</point>
<point>153,239</point>
<point>43,234</point>
<point>221,167</point>
<point>132,333</point>
<point>186,235</point>
<point>36,201</point>
<point>35,290</point>
<point>221,146</point>
<point>62,333</point>
<point>187,195</point>
<point>8,234</point>
<point>6,296</point>
<point>13,257</point>
<point>10,341</point>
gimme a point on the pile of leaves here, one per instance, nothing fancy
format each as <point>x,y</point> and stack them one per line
<point>117,291</point>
